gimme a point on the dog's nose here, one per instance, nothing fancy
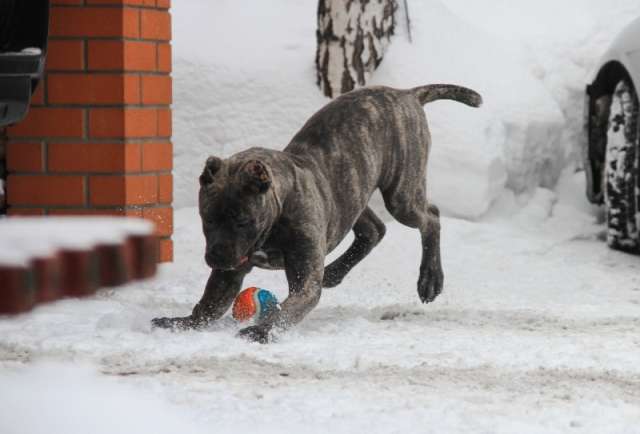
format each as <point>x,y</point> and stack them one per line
<point>217,259</point>
<point>208,258</point>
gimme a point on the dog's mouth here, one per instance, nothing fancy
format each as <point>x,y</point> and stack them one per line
<point>240,263</point>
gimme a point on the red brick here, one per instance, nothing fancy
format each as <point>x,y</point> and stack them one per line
<point>24,157</point>
<point>139,56</point>
<point>166,250</point>
<point>116,2</point>
<point>93,89</point>
<point>50,122</point>
<point>162,217</point>
<point>67,2</point>
<point>13,211</point>
<point>135,212</point>
<point>157,156</point>
<point>18,292</point>
<point>156,89</point>
<point>94,157</point>
<point>131,89</point>
<point>155,25</point>
<point>165,188</point>
<point>95,22</point>
<point>164,58</point>
<point>106,55</point>
<point>37,98</point>
<point>131,23</point>
<point>116,212</point>
<point>108,122</point>
<point>123,190</point>
<point>65,55</point>
<point>45,190</point>
<point>164,123</point>
<point>141,123</point>
<point>115,123</point>
<point>164,4</point>
<point>122,55</point>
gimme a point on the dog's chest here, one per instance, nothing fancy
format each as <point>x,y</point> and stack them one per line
<point>268,258</point>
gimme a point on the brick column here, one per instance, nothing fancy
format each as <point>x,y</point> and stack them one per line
<point>97,139</point>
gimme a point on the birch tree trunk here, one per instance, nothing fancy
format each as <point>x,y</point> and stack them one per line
<point>352,37</point>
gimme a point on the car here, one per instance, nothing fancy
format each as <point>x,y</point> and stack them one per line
<point>611,151</point>
<point>24,30</point>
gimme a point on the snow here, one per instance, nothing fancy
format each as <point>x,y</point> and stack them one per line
<point>252,83</point>
<point>74,398</point>
<point>40,237</point>
<point>536,330</point>
<point>560,42</point>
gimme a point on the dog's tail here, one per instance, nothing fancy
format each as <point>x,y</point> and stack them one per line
<point>433,92</point>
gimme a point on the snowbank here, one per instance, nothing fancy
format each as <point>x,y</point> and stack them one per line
<point>511,141</point>
<point>46,398</point>
<point>250,82</point>
<point>244,76</point>
<point>560,42</point>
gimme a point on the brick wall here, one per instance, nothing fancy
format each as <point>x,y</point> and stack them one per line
<point>97,139</point>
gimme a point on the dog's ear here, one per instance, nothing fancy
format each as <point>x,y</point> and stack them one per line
<point>255,176</point>
<point>211,167</point>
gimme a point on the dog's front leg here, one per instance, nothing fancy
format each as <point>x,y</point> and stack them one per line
<point>222,288</point>
<point>304,274</point>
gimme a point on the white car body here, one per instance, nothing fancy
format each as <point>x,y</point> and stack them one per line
<point>622,59</point>
<point>625,49</point>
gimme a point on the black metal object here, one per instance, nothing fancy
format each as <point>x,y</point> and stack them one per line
<point>24,29</point>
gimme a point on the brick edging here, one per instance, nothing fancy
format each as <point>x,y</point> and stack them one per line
<point>97,138</point>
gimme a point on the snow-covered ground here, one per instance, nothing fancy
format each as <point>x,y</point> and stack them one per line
<point>537,328</point>
<point>536,331</point>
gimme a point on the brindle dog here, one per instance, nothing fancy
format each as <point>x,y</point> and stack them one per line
<point>289,209</point>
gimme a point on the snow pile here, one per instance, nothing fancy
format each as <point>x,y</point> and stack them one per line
<point>559,41</point>
<point>244,76</point>
<point>258,87</point>
<point>37,237</point>
<point>512,141</point>
<point>50,397</point>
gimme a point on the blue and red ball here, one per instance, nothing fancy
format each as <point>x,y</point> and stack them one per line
<point>254,304</point>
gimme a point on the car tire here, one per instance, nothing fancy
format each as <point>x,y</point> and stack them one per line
<point>621,171</point>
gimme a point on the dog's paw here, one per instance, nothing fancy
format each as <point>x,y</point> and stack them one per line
<point>177,323</point>
<point>256,333</point>
<point>332,277</point>
<point>330,281</point>
<point>430,284</point>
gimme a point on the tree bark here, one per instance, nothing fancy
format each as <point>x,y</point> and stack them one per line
<point>352,38</point>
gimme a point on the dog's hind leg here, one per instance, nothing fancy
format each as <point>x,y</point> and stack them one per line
<point>414,211</point>
<point>368,231</point>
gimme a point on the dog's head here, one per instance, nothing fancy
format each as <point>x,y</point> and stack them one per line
<point>236,210</point>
